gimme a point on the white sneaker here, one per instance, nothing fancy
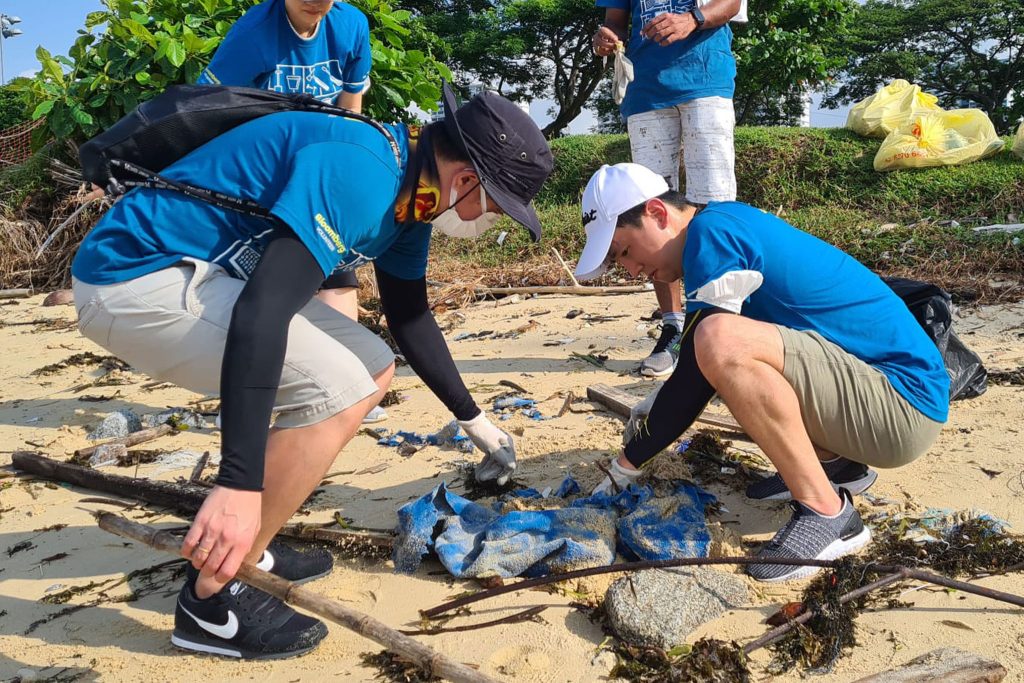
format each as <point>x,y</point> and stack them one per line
<point>378,414</point>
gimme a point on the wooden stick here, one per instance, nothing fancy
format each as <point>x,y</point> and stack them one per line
<point>133,439</point>
<point>572,276</point>
<point>425,657</point>
<point>620,403</point>
<point>580,290</point>
<point>950,664</point>
<point>14,293</point>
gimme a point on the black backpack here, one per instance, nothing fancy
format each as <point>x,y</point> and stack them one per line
<point>932,306</point>
<point>133,151</point>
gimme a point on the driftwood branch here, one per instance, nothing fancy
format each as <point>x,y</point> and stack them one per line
<point>579,290</point>
<point>905,573</point>
<point>620,403</point>
<point>948,664</point>
<point>568,270</point>
<point>133,439</point>
<point>525,615</point>
<point>15,293</point>
<point>423,656</point>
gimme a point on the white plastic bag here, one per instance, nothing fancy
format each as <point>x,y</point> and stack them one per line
<point>622,75</point>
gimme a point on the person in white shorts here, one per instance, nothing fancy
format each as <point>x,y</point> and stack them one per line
<point>680,100</point>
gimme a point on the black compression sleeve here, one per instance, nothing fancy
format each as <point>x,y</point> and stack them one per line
<point>680,401</point>
<point>414,328</point>
<point>284,280</point>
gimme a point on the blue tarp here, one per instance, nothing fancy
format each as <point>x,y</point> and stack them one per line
<point>472,540</point>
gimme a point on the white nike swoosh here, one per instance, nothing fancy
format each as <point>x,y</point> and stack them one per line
<point>226,631</point>
<point>266,562</point>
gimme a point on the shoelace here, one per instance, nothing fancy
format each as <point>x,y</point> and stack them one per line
<point>668,333</point>
<point>785,531</point>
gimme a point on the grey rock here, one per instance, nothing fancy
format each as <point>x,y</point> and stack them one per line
<point>188,418</point>
<point>117,425</point>
<point>660,607</point>
<point>108,454</point>
<point>26,675</point>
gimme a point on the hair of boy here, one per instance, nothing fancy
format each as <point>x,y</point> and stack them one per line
<point>631,217</point>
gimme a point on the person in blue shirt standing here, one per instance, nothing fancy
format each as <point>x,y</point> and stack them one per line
<point>817,358</point>
<point>680,98</point>
<point>317,47</point>
<point>224,302</point>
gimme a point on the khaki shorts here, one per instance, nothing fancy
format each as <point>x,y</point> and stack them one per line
<point>172,325</point>
<point>849,407</point>
<point>703,130</point>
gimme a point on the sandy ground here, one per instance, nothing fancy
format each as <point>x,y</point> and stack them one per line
<point>129,640</point>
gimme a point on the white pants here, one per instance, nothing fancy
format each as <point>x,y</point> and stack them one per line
<point>703,130</point>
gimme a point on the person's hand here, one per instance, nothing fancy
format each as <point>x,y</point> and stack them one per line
<point>619,475</point>
<point>638,416</point>
<point>499,452</point>
<point>668,28</point>
<point>605,41</point>
<point>96,193</point>
<point>223,533</point>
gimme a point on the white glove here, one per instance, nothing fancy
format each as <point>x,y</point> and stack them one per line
<point>499,452</point>
<point>622,74</point>
<point>638,416</point>
<point>619,478</point>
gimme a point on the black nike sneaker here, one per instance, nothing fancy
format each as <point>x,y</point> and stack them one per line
<point>242,621</point>
<point>294,565</point>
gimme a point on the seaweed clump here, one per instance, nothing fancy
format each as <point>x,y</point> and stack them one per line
<point>706,661</point>
<point>391,667</point>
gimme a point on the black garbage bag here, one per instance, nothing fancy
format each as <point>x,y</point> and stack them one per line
<point>932,306</point>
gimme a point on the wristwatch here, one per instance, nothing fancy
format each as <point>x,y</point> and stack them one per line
<point>698,16</point>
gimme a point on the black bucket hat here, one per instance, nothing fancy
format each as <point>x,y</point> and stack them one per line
<point>507,150</point>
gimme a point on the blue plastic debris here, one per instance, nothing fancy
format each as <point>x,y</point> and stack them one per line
<point>473,540</point>
<point>506,402</point>
<point>450,436</point>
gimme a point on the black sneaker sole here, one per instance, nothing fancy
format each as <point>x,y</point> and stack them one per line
<point>855,487</point>
<point>211,646</point>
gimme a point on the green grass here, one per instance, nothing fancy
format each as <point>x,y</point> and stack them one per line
<point>822,181</point>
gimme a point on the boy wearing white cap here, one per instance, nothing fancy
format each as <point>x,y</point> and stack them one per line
<point>818,360</point>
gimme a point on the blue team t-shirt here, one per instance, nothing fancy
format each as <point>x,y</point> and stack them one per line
<point>332,180</point>
<point>700,65</point>
<point>744,260</point>
<point>263,51</point>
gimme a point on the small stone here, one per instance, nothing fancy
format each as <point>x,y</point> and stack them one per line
<point>661,607</point>
<point>61,297</point>
<point>185,418</point>
<point>117,425</point>
<point>25,675</point>
<point>887,227</point>
<point>108,454</point>
<point>604,661</point>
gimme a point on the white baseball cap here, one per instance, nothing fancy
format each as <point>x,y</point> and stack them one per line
<point>612,191</point>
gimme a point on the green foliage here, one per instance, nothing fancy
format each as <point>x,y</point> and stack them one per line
<point>958,50</point>
<point>147,45</point>
<point>787,48</point>
<point>14,107</point>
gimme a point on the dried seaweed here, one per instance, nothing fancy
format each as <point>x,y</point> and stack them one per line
<point>711,460</point>
<point>391,667</point>
<point>391,398</point>
<point>1010,378</point>
<point>706,661</point>
<point>107,363</point>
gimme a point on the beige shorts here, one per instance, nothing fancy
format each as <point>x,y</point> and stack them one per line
<point>849,407</point>
<point>703,130</point>
<point>172,325</point>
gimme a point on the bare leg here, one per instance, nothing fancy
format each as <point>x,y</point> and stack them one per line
<point>743,359</point>
<point>297,460</point>
<point>670,298</point>
<point>345,300</point>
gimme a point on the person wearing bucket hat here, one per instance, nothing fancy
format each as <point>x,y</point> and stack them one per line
<point>824,367</point>
<point>222,302</point>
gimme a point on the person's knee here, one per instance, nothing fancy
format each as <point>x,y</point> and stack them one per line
<point>384,377</point>
<point>717,345</point>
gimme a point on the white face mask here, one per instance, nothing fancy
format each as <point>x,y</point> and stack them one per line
<point>451,224</point>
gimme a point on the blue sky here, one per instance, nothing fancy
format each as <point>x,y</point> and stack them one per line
<point>54,23</point>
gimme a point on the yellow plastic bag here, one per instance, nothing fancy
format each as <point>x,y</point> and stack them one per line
<point>1018,141</point>
<point>944,138</point>
<point>890,107</point>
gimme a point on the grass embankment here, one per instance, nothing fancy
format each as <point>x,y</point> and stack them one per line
<point>820,180</point>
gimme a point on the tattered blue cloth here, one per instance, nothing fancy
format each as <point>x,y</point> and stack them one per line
<point>471,540</point>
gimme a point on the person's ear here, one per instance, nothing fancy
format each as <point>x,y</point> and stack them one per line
<point>657,210</point>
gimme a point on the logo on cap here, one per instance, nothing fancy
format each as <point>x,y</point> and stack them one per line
<point>589,216</point>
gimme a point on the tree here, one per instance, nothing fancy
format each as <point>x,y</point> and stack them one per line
<point>958,50</point>
<point>788,48</point>
<point>526,49</point>
<point>147,45</point>
<point>14,108</point>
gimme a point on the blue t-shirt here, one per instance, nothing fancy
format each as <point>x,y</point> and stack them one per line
<point>742,259</point>
<point>701,65</point>
<point>263,51</point>
<point>332,180</point>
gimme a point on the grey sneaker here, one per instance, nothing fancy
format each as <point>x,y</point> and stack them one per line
<point>378,414</point>
<point>852,476</point>
<point>662,360</point>
<point>809,535</point>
